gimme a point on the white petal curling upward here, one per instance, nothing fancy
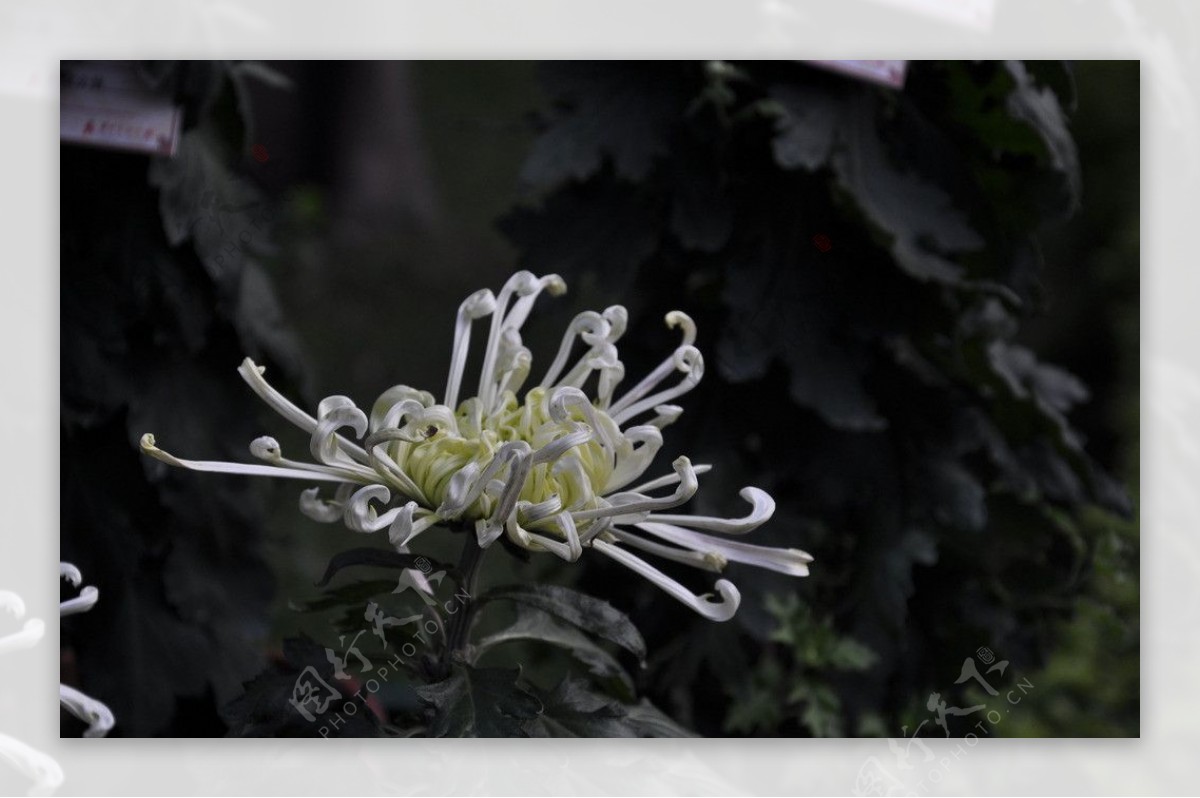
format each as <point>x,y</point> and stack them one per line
<point>550,469</point>
<point>92,712</point>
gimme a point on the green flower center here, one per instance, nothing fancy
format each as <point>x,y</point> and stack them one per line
<point>577,477</point>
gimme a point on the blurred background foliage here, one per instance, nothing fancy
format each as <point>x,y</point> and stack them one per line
<point>919,310</point>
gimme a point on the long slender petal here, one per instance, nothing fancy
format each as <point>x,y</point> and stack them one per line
<point>721,610</point>
<point>478,305</point>
<point>697,559</point>
<point>786,561</point>
<point>763,507</point>
<point>674,319</point>
<point>687,360</point>
<point>217,467</point>
<point>253,375</point>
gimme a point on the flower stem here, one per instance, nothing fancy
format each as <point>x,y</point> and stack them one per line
<point>460,624</point>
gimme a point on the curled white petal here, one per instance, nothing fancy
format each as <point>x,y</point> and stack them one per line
<point>634,455</point>
<point>667,414</point>
<point>577,436</point>
<point>506,505</point>
<point>92,712</point>
<point>358,514</point>
<point>674,319</point>
<point>623,504</point>
<point>325,444</point>
<point>552,284</point>
<point>793,562</point>
<point>668,479</point>
<point>588,324</point>
<point>478,305</point>
<point>569,549</point>
<point>408,524</point>
<point>473,485</point>
<point>253,375</point>
<point>387,402</point>
<point>762,508</point>
<point>687,359</point>
<point>322,510</point>
<point>69,572</point>
<point>522,283</point>
<point>86,599</point>
<point>148,447</point>
<point>714,610</point>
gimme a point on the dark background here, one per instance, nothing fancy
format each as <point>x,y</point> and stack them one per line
<point>893,391</point>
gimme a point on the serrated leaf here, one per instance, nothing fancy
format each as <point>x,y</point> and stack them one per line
<point>573,710</point>
<point>650,721</point>
<point>480,702</point>
<point>613,110</point>
<point>264,708</point>
<point>805,126</point>
<point>537,625</point>
<point>921,219</point>
<point>590,614</point>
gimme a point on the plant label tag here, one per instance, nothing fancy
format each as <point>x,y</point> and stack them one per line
<point>887,73</point>
<point>105,104</point>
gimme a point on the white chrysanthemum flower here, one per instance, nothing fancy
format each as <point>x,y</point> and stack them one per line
<point>554,471</point>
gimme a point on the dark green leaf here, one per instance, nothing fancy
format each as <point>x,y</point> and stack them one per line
<point>573,710</point>
<point>537,625</point>
<point>613,110</point>
<point>480,702</point>
<point>590,614</point>
<point>377,558</point>
<point>806,125</point>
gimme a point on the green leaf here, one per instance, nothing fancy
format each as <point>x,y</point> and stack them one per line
<point>615,111</point>
<point>573,710</point>
<point>480,702</point>
<point>922,220</point>
<point>377,558</point>
<point>650,721</point>
<point>537,625</point>
<point>590,614</point>
<point>351,594</point>
<point>806,121</point>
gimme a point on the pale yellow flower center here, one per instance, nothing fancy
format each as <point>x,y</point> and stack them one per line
<point>577,477</point>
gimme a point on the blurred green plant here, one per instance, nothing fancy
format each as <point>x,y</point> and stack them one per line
<point>790,684</point>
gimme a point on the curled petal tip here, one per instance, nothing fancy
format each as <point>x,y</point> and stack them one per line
<point>69,572</point>
<point>727,607</point>
<point>265,448</point>
<point>479,304</point>
<point>677,318</point>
